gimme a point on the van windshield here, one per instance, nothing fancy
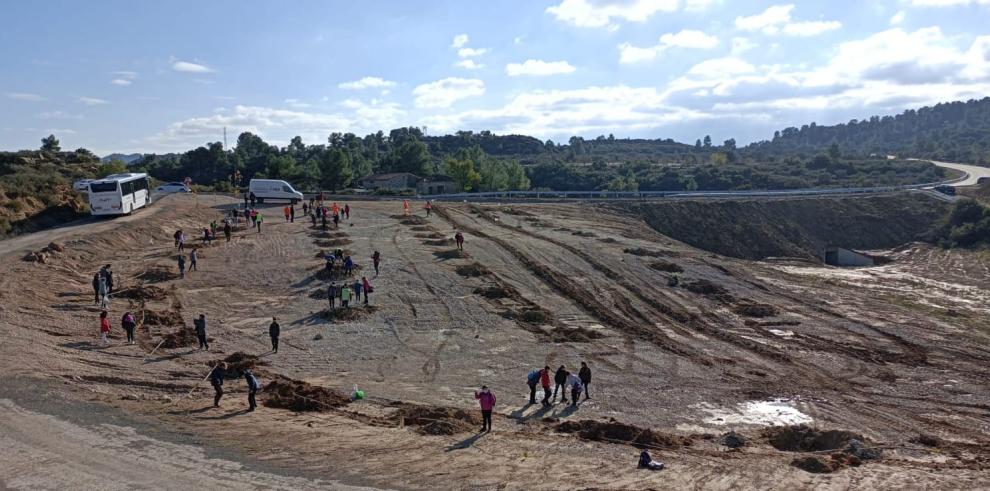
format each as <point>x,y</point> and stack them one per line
<point>286,188</point>
<point>103,187</point>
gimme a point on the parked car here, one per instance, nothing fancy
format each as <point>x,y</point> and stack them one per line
<point>172,187</point>
<point>82,184</point>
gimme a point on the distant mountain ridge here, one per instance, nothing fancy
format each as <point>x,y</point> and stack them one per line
<point>128,159</point>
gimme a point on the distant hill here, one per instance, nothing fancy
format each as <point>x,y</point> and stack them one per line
<point>128,159</point>
<point>953,131</point>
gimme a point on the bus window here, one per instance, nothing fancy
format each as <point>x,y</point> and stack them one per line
<point>103,187</point>
<point>126,188</point>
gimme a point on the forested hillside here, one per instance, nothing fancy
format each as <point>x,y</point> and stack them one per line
<point>954,131</point>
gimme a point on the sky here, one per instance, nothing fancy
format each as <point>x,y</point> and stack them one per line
<point>126,76</point>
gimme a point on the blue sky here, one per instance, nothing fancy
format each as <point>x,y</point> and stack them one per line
<point>168,76</point>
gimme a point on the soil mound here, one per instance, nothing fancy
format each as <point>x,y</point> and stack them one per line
<point>639,251</point>
<point>515,211</point>
<point>348,314</point>
<point>666,266</point>
<point>435,420</point>
<point>439,242</point>
<point>615,432</point>
<point>180,339</point>
<point>733,440</point>
<point>237,363</point>
<point>157,274</point>
<point>756,310</point>
<point>297,395</point>
<point>410,219</point>
<point>163,318</point>
<point>927,440</point>
<point>573,335</point>
<point>142,292</point>
<point>451,254</point>
<point>431,235</point>
<point>582,233</point>
<point>803,438</point>
<point>472,270</point>
<point>704,287</point>
<point>422,229</point>
<point>332,242</point>
<point>816,465</point>
<point>494,292</point>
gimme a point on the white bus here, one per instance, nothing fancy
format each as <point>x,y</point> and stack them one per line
<point>119,194</point>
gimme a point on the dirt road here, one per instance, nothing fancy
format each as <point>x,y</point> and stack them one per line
<point>729,345</point>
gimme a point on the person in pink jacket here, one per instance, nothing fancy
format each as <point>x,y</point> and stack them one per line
<point>487,400</point>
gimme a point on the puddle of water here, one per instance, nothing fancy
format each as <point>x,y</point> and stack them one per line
<point>777,412</point>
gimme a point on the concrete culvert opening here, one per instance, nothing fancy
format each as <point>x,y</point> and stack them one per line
<point>297,395</point>
<point>803,438</point>
<point>472,270</point>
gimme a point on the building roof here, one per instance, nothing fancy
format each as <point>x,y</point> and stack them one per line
<point>389,176</point>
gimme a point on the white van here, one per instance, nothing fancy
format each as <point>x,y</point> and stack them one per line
<point>273,189</point>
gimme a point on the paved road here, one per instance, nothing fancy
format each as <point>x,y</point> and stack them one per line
<point>973,172</point>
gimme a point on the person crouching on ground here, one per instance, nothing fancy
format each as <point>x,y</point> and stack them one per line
<point>486,399</point>
<point>576,388</point>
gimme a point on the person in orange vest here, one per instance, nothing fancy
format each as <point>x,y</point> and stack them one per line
<point>286,212</point>
<point>405,207</point>
<point>335,208</point>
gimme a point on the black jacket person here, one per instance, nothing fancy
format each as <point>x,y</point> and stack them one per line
<point>274,330</point>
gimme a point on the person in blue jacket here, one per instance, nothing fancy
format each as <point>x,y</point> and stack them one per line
<point>253,387</point>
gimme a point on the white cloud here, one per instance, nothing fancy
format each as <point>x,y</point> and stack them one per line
<point>721,67</point>
<point>686,38</point>
<point>443,93</point>
<point>697,5</point>
<point>741,45</point>
<point>296,103</point>
<point>459,40</point>
<point>122,82</point>
<point>776,19</point>
<point>538,68</point>
<point>59,115</point>
<point>93,101</point>
<point>601,13</point>
<point>469,64</point>
<point>768,21</point>
<point>811,28</point>
<point>190,67</point>
<point>570,112</point>
<point>25,96</point>
<point>948,3</point>
<point>60,131</point>
<point>367,83</point>
<point>470,52</point>
<point>898,18</point>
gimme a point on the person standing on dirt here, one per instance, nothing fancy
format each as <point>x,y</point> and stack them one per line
<point>545,382</point>
<point>323,221</point>
<point>226,231</point>
<point>104,329</point>
<point>575,382</point>
<point>274,330</point>
<point>345,296</point>
<point>532,380</point>
<point>193,256</point>
<point>348,266</point>
<point>367,288</point>
<point>107,274</point>
<point>96,288</point>
<point>254,200</point>
<point>104,299</point>
<point>200,325</point>
<point>216,380</point>
<point>336,221</point>
<point>332,294</point>
<point>246,200</point>
<point>357,286</point>
<point>405,207</point>
<point>585,375</point>
<point>486,399</point>
<point>128,323</point>
<point>347,211</point>
<point>429,208</point>
<point>259,221</point>
<point>253,387</point>
<point>176,235</point>
<point>292,212</point>
<point>285,211</point>
<point>560,382</point>
<point>182,265</point>
<point>376,258</point>
<point>459,238</point>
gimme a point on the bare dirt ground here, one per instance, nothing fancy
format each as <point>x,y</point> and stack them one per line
<point>891,354</point>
